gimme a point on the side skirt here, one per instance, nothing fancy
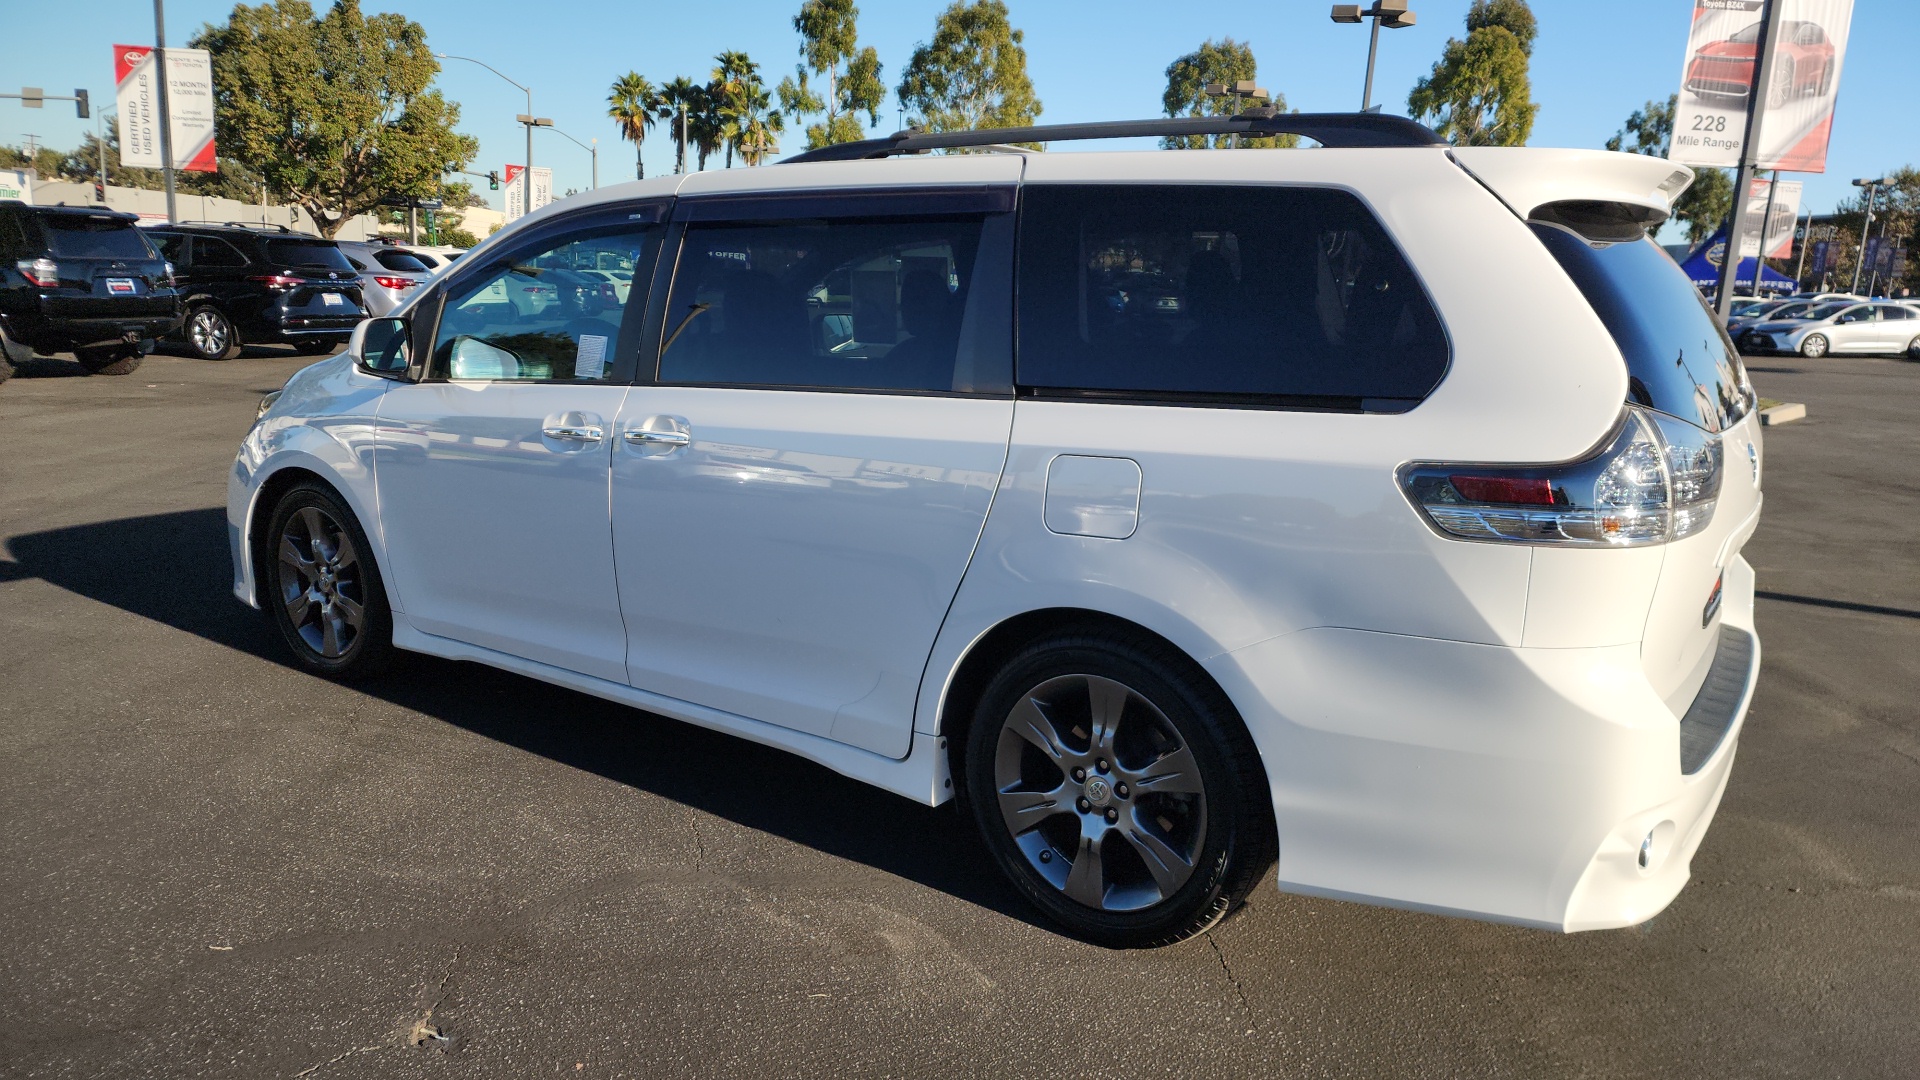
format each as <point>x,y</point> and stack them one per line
<point>921,776</point>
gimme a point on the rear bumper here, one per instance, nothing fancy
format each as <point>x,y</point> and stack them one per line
<point>1510,784</point>
<point>58,333</point>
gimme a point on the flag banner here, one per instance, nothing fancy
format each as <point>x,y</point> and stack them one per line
<point>516,191</point>
<point>1722,62</point>
<point>1780,220</point>
<point>136,71</point>
<point>1819,267</point>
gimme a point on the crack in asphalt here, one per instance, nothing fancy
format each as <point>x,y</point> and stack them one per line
<point>311,1069</point>
<point>1238,991</point>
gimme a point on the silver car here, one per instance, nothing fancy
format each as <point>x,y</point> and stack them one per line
<point>387,274</point>
<point>1842,326</point>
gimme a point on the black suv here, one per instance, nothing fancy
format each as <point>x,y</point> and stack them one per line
<point>260,284</point>
<point>82,279</point>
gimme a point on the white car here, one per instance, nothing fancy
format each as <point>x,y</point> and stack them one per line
<point>1403,548</point>
<point>387,274</point>
<point>1883,327</point>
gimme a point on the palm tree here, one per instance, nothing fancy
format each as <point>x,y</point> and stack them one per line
<point>704,123</point>
<point>760,125</point>
<point>733,75</point>
<point>677,99</point>
<point>633,103</point>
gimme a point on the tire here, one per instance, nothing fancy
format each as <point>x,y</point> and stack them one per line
<point>313,569</point>
<point>210,334</point>
<point>1813,346</point>
<point>1913,350</point>
<point>1114,853</point>
<point>1783,85</point>
<point>6,368</point>
<point>109,359</point>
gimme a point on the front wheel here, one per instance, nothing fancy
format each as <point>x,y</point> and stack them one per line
<point>1814,347</point>
<point>211,336</point>
<point>1913,348</point>
<point>317,579</point>
<point>1117,789</point>
<point>1783,85</point>
<point>109,359</point>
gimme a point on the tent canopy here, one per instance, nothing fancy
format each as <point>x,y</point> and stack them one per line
<point>1703,267</point>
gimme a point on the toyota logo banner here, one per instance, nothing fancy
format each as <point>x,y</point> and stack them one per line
<point>189,107</point>
<point>1722,62</point>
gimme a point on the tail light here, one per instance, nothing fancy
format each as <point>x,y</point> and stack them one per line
<point>43,271</point>
<point>172,281</point>
<point>396,282</point>
<point>276,282</point>
<point>1654,479</point>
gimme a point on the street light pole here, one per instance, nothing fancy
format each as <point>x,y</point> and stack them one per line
<point>1873,188</point>
<point>594,150</point>
<point>1392,12</point>
<point>526,174</point>
<point>166,121</point>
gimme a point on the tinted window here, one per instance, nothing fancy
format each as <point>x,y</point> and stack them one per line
<point>209,251</point>
<point>173,246</point>
<point>1895,312</point>
<point>873,304</point>
<point>73,236</point>
<point>1288,295</point>
<point>1679,360</point>
<point>403,261</point>
<point>314,253</point>
<point>530,318</point>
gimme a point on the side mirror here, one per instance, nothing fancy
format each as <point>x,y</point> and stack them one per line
<point>382,347</point>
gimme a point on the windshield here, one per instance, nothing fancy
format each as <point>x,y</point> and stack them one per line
<point>1679,360</point>
<point>1827,311</point>
<point>1790,311</point>
<point>1749,36</point>
<point>72,236</point>
<point>317,253</point>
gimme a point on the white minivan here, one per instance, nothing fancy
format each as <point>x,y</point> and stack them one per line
<point>1374,509</point>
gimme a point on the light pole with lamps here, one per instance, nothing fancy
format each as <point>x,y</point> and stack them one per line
<point>594,150</point>
<point>1873,188</point>
<point>1245,88</point>
<point>1392,12</point>
<point>527,118</point>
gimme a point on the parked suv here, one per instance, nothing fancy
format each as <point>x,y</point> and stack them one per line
<point>80,279</point>
<point>1389,526</point>
<point>261,285</point>
<point>386,273</point>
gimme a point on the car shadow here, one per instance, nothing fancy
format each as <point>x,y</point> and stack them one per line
<point>751,785</point>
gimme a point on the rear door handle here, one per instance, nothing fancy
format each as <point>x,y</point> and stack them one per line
<point>573,433</point>
<point>659,438</point>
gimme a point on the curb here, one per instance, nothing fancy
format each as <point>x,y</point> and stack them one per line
<point>1785,413</point>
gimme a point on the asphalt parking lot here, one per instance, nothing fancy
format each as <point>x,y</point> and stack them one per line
<point>214,865</point>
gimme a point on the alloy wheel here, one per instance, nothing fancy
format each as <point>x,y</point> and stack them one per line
<point>1815,346</point>
<point>209,333</point>
<point>322,588</point>
<point>1100,792</point>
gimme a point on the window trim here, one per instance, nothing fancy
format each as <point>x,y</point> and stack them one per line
<point>1353,405</point>
<point>995,243</point>
<point>649,215</point>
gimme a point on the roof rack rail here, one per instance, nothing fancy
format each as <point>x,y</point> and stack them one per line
<point>1327,129</point>
<point>256,225</point>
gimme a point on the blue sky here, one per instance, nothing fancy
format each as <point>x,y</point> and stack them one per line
<point>1595,62</point>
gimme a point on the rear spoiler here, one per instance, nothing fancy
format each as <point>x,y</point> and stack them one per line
<point>1604,196</point>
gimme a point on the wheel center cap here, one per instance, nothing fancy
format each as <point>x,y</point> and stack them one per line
<point>1099,791</point>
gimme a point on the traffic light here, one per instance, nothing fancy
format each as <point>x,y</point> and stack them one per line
<point>99,191</point>
<point>493,181</point>
<point>81,105</point>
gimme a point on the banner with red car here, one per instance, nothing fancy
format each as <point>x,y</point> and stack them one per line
<point>1717,83</point>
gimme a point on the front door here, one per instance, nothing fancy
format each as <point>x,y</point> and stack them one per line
<point>796,498</point>
<point>492,470</point>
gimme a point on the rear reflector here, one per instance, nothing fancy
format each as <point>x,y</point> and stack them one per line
<point>1526,491</point>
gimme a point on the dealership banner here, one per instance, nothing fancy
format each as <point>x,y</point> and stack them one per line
<point>17,184</point>
<point>1820,264</point>
<point>1780,221</point>
<point>1710,118</point>
<point>516,191</point>
<point>189,106</point>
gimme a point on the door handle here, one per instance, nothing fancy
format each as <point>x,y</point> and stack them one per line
<point>573,433</point>
<point>659,438</point>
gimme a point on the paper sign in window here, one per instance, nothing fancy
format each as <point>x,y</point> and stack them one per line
<point>590,360</point>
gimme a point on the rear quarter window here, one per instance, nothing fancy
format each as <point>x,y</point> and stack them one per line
<point>1679,360</point>
<point>1282,296</point>
<point>312,253</point>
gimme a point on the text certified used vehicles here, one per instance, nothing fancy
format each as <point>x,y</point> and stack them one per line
<point>1374,509</point>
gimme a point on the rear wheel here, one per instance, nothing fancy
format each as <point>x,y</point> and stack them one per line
<point>319,584</point>
<point>211,336</point>
<point>1913,348</point>
<point>1814,347</point>
<point>109,359</point>
<point>1117,789</point>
